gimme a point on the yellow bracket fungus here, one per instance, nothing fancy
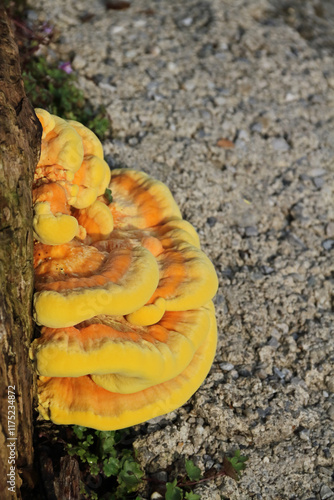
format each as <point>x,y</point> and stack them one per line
<point>108,346</point>
<point>61,144</point>
<point>122,289</point>
<point>53,229</point>
<point>80,401</point>
<point>148,314</point>
<point>124,282</point>
<point>97,220</point>
<point>91,144</point>
<point>71,159</point>
<point>140,201</point>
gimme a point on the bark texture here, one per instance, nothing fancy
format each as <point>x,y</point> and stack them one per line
<point>20,134</point>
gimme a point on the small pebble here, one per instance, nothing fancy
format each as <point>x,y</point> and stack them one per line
<point>325,492</point>
<point>264,412</point>
<point>156,496</point>
<point>107,86</point>
<point>117,29</point>
<point>256,276</point>
<point>211,221</point>
<point>318,182</point>
<point>328,244</point>
<point>133,141</point>
<point>331,412</point>
<point>267,270</point>
<point>330,229</point>
<point>187,21</point>
<point>273,342</point>
<point>279,373</point>
<point>330,383</point>
<point>316,172</point>
<point>290,97</point>
<point>32,15</point>
<point>251,231</point>
<point>243,372</point>
<point>280,144</point>
<point>256,127</point>
<point>243,135</point>
<point>78,62</point>
<point>325,471</point>
<point>297,381</point>
<point>226,367</point>
<point>305,434</point>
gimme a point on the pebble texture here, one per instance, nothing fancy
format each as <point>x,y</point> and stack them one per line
<point>231,104</point>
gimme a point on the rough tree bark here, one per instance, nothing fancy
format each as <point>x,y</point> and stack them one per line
<point>19,149</point>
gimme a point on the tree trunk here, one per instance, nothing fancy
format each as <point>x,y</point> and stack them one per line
<point>20,135</point>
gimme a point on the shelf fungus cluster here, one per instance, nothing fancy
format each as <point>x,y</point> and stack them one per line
<point>123,292</point>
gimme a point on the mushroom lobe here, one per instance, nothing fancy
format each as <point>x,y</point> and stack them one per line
<point>80,401</point>
<point>119,356</point>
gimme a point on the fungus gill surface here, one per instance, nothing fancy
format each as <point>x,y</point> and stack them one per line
<point>123,292</point>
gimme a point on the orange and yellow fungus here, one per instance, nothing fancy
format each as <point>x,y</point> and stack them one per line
<point>140,201</point>
<point>71,159</point>
<point>70,290</point>
<point>113,349</point>
<point>97,221</point>
<point>80,401</point>
<point>122,289</point>
<point>61,144</point>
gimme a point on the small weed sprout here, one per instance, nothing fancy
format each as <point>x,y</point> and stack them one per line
<point>179,490</point>
<point>238,463</point>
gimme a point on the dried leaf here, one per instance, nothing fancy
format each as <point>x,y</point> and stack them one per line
<point>225,143</point>
<point>229,470</point>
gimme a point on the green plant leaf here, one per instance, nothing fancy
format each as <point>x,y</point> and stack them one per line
<point>130,475</point>
<point>91,458</point>
<point>106,443</point>
<point>94,469</point>
<point>108,195</point>
<point>89,440</point>
<point>234,465</point>
<point>79,431</point>
<point>192,496</point>
<point>194,472</point>
<point>111,466</point>
<point>173,492</point>
<point>126,454</point>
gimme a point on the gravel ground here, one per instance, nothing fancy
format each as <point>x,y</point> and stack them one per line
<point>230,103</point>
